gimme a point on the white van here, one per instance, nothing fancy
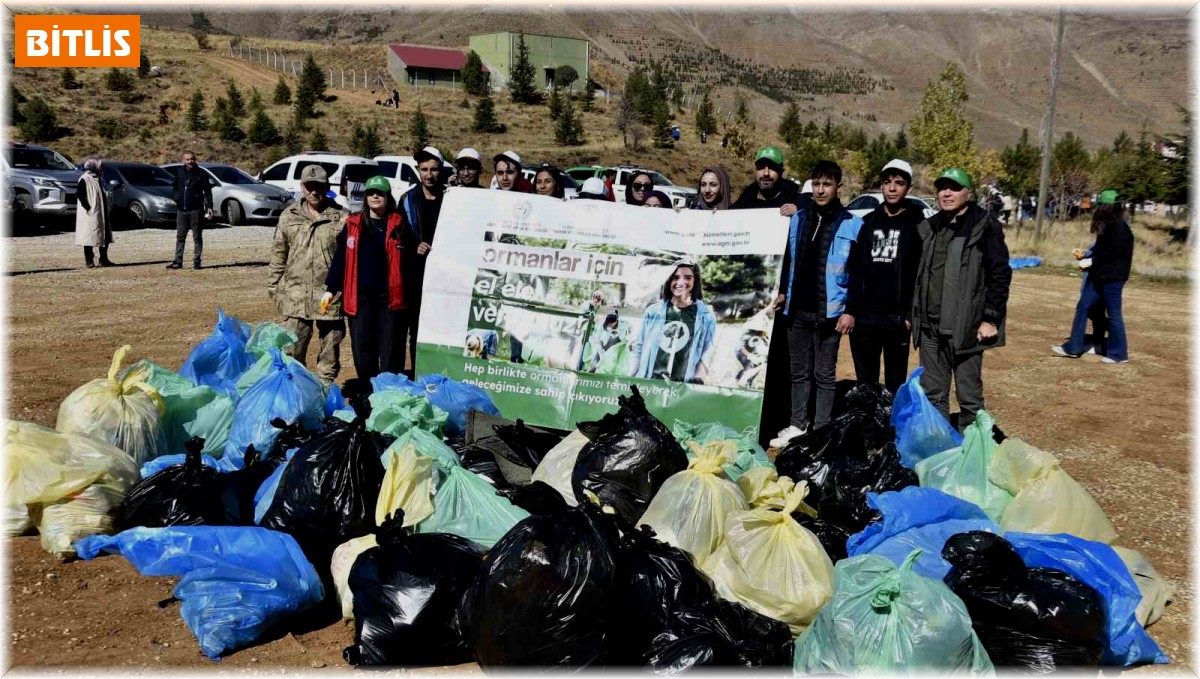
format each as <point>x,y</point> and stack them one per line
<point>286,174</point>
<point>401,172</point>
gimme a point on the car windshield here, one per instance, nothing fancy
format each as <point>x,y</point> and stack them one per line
<point>147,175</point>
<point>227,174</point>
<point>660,180</point>
<point>388,168</point>
<point>38,159</point>
<point>863,203</point>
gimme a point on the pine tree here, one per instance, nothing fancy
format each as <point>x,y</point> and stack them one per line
<point>292,142</point>
<point>262,130</point>
<point>569,128</point>
<point>196,120</point>
<point>706,118</point>
<point>901,143</point>
<point>69,81</point>
<point>554,103</point>
<point>219,113</point>
<point>485,116</point>
<point>39,123</point>
<point>283,93</point>
<point>661,130</point>
<point>475,81</point>
<point>237,105</point>
<point>256,102</point>
<point>364,141</point>
<point>1021,169</point>
<point>520,82</point>
<point>942,133</point>
<point>118,81</point>
<point>418,130</point>
<point>225,124</point>
<point>589,95</point>
<point>317,141</point>
<point>790,126</point>
<point>14,99</point>
<point>143,70</point>
<point>309,90</point>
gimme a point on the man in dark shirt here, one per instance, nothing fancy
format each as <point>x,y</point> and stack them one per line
<point>889,250</point>
<point>422,206</point>
<point>193,196</point>
<point>769,188</point>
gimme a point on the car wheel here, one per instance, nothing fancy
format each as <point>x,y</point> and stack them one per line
<point>235,214</point>
<point>139,212</point>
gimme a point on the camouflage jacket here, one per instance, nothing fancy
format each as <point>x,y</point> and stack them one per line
<point>300,259</point>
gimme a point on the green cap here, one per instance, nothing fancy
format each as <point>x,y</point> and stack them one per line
<point>378,183</point>
<point>769,153</point>
<point>957,176</point>
<point>1107,197</point>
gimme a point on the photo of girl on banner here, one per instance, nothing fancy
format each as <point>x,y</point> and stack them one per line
<point>676,339</point>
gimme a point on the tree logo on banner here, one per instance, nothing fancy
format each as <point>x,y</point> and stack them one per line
<point>522,210</point>
<point>675,337</point>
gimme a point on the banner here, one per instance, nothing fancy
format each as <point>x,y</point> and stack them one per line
<point>557,307</point>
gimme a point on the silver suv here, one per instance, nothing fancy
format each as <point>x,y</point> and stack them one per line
<point>42,181</point>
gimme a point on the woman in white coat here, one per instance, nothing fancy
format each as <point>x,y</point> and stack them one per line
<point>92,229</point>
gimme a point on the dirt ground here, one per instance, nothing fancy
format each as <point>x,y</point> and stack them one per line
<point>1121,430</point>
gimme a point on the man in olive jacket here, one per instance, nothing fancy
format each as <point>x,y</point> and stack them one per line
<point>305,240</point>
<point>961,295</point>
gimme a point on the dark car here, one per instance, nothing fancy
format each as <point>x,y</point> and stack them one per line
<point>146,192</point>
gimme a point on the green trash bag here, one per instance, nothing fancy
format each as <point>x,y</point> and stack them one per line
<point>750,455</point>
<point>189,410</point>
<point>394,412</point>
<point>426,479</point>
<point>267,336</point>
<point>963,472</point>
<point>888,620</point>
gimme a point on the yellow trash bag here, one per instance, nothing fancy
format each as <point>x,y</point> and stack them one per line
<point>124,412</point>
<point>408,484</point>
<point>557,466</point>
<point>1156,592</point>
<point>764,487</point>
<point>771,564</point>
<point>69,484</point>
<point>690,509</point>
<point>1046,499</point>
<point>339,567</point>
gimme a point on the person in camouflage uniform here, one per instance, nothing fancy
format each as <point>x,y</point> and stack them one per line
<point>305,240</point>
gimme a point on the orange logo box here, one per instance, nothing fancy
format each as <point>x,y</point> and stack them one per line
<point>81,40</point>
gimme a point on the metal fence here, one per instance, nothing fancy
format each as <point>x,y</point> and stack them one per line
<point>290,63</point>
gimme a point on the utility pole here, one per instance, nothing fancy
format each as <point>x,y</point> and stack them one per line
<point>1048,126</point>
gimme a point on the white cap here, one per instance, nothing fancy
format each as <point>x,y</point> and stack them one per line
<point>897,164</point>
<point>807,188</point>
<point>593,185</point>
<point>471,154</point>
<point>430,152</point>
<point>507,155</point>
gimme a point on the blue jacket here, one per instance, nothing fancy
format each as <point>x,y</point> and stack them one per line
<point>837,275</point>
<point>652,327</point>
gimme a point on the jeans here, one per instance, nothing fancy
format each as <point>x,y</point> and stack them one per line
<point>868,341</point>
<point>813,348</point>
<point>377,336</point>
<point>941,362</point>
<point>1110,295</point>
<point>192,220</point>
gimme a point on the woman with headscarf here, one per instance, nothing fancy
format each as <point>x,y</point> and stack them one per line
<point>657,199</point>
<point>713,190</point>
<point>92,228</point>
<point>678,331</point>
<point>548,182</point>
<point>638,189</point>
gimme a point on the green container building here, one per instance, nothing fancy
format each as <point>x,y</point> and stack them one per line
<point>547,53</point>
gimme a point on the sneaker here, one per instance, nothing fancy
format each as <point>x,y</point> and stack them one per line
<point>1106,359</point>
<point>1058,349</point>
<point>173,265</point>
<point>785,436</point>
<point>1091,350</point>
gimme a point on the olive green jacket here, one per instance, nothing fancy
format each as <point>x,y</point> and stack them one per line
<point>300,258</point>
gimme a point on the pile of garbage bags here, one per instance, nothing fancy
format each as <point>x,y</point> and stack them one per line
<point>880,542</point>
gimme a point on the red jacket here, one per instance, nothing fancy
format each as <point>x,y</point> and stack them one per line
<point>350,280</point>
<point>610,192</point>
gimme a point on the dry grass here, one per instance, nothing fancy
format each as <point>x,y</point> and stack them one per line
<point>1159,248</point>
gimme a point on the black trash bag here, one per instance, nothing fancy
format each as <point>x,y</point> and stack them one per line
<point>187,494</point>
<point>406,597</point>
<point>328,491</point>
<point>538,498</point>
<point>874,401</point>
<point>627,458</point>
<point>721,633</point>
<point>504,461</point>
<point>655,582</point>
<point>239,486</point>
<point>833,536</point>
<point>545,594</point>
<point>1036,619</point>
<point>530,444</point>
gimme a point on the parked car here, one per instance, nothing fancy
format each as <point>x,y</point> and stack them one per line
<point>41,180</point>
<point>681,197</point>
<point>861,206</point>
<point>582,173</point>
<point>570,186</point>
<point>286,173</point>
<point>145,191</point>
<point>239,198</point>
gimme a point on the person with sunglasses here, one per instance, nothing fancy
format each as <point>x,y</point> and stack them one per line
<point>638,189</point>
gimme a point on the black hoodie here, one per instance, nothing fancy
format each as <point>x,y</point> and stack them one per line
<point>888,253</point>
<point>785,191</point>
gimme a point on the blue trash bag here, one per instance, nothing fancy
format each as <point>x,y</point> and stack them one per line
<point>287,391</point>
<point>152,467</point>
<point>265,494</point>
<point>456,398</point>
<point>921,431</point>
<point>1098,566</point>
<point>917,518</point>
<point>236,581</point>
<point>221,358</point>
<point>1015,263</point>
<point>334,400</point>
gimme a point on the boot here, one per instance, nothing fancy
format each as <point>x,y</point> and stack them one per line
<point>104,261</point>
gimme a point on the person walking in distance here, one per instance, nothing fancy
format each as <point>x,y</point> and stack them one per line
<point>193,197</point>
<point>92,228</point>
<point>960,297</point>
<point>421,205</point>
<point>301,254</point>
<point>888,250</point>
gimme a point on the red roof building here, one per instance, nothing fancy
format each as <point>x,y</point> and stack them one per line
<point>424,65</point>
